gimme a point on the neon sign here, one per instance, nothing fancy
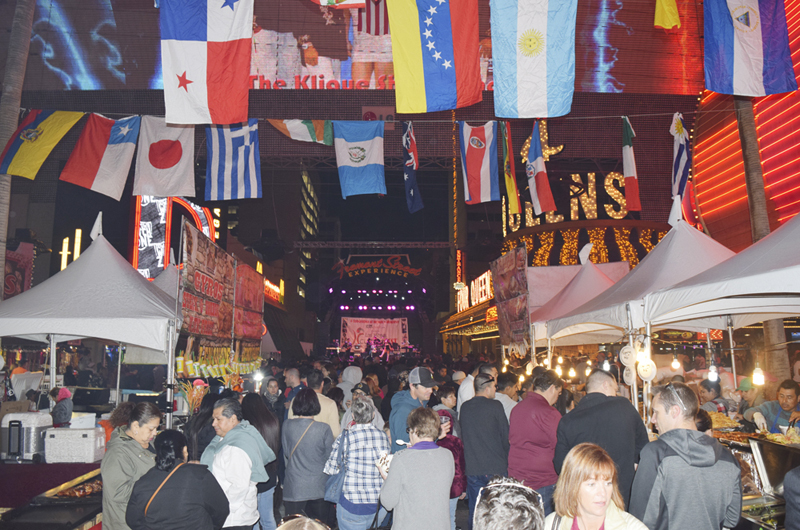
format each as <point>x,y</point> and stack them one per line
<point>481,288</point>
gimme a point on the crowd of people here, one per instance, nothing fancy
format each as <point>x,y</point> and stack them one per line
<point>376,445</point>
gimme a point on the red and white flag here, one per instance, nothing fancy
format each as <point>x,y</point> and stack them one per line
<point>538,183</point>
<point>205,51</point>
<point>479,162</point>
<point>102,157</point>
<point>165,159</point>
<point>629,167</point>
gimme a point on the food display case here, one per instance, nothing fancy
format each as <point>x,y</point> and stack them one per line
<point>74,505</point>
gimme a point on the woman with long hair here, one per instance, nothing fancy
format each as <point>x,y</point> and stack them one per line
<point>199,431</point>
<point>175,495</point>
<point>587,494</point>
<point>258,414</point>
<point>129,455</point>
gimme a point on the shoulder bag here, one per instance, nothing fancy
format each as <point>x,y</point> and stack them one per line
<point>556,522</point>
<point>159,488</point>
<point>335,483</point>
<point>301,439</point>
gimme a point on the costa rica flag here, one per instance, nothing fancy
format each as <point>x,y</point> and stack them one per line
<point>479,162</point>
<point>205,52</point>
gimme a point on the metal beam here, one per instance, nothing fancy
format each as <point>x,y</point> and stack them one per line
<point>371,244</point>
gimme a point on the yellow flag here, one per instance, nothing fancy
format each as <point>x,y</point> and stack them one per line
<point>34,139</point>
<point>667,16</point>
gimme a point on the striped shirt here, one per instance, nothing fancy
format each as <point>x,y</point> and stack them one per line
<point>362,483</point>
<point>374,18</point>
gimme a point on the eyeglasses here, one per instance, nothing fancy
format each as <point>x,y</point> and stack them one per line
<point>301,516</point>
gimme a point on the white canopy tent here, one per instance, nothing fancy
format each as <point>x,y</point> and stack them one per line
<point>760,283</point>
<point>682,253</point>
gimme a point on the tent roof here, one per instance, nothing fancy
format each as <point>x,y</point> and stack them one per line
<point>588,283</point>
<point>759,283</point>
<point>682,253</point>
<point>98,295</point>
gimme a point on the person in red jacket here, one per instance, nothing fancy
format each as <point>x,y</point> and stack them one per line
<point>459,488</point>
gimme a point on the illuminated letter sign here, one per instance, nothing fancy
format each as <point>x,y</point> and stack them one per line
<point>482,288</point>
<point>462,299</point>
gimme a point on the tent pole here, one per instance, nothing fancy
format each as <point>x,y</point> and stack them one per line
<point>648,348</point>
<point>709,355</point>
<point>549,353</point>
<point>732,345</point>
<point>632,344</point>
<point>119,373</point>
<point>533,347</point>
<point>170,372</point>
<point>52,361</point>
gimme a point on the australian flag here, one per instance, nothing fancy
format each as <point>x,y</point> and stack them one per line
<point>410,164</point>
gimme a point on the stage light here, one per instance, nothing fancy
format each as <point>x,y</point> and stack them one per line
<point>344,292</point>
<point>412,307</point>
<point>330,291</point>
<point>347,308</point>
<point>424,291</point>
<point>373,308</point>
<point>380,308</point>
<point>341,308</point>
<point>409,292</point>
<point>374,291</point>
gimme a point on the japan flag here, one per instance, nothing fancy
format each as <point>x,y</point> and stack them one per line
<point>164,161</point>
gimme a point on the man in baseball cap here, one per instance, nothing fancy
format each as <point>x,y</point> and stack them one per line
<point>458,377</point>
<point>751,396</point>
<point>420,386</point>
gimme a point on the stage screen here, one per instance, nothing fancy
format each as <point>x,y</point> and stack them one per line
<point>113,44</point>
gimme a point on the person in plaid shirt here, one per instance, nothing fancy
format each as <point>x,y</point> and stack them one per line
<point>363,445</point>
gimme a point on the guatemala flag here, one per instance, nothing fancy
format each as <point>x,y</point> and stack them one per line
<point>233,169</point>
<point>747,48</point>
<point>359,155</point>
<point>533,53</point>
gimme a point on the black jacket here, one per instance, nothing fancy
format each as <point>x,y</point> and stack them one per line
<point>190,500</point>
<point>791,492</point>
<point>610,422</point>
<point>484,431</point>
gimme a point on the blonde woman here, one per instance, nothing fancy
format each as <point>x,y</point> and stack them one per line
<point>587,496</point>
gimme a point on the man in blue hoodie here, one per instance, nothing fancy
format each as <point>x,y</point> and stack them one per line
<point>420,386</point>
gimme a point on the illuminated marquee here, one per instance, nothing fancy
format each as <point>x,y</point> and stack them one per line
<point>273,293</point>
<point>481,288</point>
<point>491,314</point>
<point>390,265</point>
<point>462,299</point>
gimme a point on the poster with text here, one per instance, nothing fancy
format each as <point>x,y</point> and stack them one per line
<point>512,320</point>
<point>509,277</point>
<point>208,281</point>
<point>18,270</point>
<point>356,331</point>
<point>249,303</point>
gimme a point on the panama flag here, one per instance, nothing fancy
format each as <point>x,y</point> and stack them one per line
<point>479,162</point>
<point>205,52</point>
<point>233,169</point>
<point>539,184</point>
<point>164,160</point>
<point>533,53</point>
<point>629,167</point>
<point>747,47</point>
<point>359,155</point>
<point>102,157</point>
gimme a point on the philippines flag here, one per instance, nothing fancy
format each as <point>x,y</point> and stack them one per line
<point>205,52</point>
<point>359,156</point>
<point>102,157</point>
<point>479,162</point>
<point>233,169</point>
<point>410,165</point>
<point>539,184</point>
<point>747,47</point>
<point>533,53</point>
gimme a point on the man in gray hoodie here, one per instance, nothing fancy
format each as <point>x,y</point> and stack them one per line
<point>685,479</point>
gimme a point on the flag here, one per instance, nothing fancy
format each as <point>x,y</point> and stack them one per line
<point>31,143</point>
<point>538,183</point>
<point>318,131</point>
<point>233,169</point>
<point>510,172</point>
<point>533,55</point>
<point>747,48</point>
<point>681,155</point>
<point>410,165</point>
<point>205,53</point>
<point>435,52</point>
<point>102,157</point>
<point>479,162</point>
<point>164,160</point>
<point>359,155</point>
<point>629,167</point>
<point>667,15</point>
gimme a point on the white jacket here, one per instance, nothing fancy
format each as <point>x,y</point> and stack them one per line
<point>616,519</point>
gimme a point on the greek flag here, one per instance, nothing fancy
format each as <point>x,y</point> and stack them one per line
<point>233,170</point>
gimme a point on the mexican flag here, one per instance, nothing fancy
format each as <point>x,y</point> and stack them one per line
<point>629,167</point>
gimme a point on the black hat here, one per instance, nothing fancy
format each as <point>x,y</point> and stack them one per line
<point>421,376</point>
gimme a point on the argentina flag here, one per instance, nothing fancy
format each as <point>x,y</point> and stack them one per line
<point>233,170</point>
<point>747,48</point>
<point>533,53</point>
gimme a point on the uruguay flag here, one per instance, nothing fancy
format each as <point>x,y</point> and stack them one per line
<point>479,162</point>
<point>747,48</point>
<point>359,155</point>
<point>101,160</point>
<point>533,53</point>
<point>233,169</point>
<point>205,52</point>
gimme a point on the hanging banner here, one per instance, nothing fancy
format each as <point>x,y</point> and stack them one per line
<point>357,331</point>
<point>509,276</point>
<point>248,318</point>
<point>208,278</point>
<point>19,270</point>
<point>512,320</point>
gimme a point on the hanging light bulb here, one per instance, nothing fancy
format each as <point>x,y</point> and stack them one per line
<point>560,359</point>
<point>505,369</point>
<point>521,378</point>
<point>572,373</point>
<point>758,376</point>
<point>589,362</point>
<point>712,373</point>
<point>606,365</point>
<point>588,370</point>
<point>558,370</point>
<point>505,361</point>
<point>675,362</point>
<point>529,369</point>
